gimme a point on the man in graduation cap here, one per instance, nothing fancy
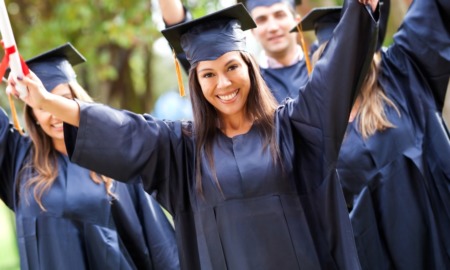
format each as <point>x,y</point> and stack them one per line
<point>68,217</point>
<point>282,62</point>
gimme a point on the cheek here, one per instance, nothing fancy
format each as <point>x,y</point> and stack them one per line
<point>41,117</point>
<point>206,86</point>
<point>260,32</point>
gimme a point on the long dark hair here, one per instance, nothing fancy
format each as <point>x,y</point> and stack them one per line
<point>260,107</point>
<point>44,154</point>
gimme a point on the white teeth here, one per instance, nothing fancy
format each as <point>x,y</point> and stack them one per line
<point>57,125</point>
<point>228,97</point>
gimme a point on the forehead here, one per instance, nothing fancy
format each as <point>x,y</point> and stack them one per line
<point>62,89</point>
<point>269,10</point>
<point>220,61</point>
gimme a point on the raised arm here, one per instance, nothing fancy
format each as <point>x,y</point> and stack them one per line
<point>172,12</point>
<point>425,37</point>
<point>320,113</point>
<point>39,98</point>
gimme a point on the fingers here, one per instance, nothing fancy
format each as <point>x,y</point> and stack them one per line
<point>11,90</point>
<point>372,3</point>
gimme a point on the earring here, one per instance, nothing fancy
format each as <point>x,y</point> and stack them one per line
<point>37,123</point>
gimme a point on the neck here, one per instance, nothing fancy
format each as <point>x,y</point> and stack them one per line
<point>235,125</point>
<point>60,146</point>
<point>287,57</point>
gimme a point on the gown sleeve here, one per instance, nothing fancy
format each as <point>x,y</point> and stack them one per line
<point>12,151</point>
<point>124,145</point>
<point>425,37</point>
<point>320,113</point>
<point>152,245</point>
<point>312,127</point>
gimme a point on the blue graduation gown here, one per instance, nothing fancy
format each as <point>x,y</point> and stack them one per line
<point>83,228</point>
<point>284,82</point>
<point>383,177</point>
<point>289,215</point>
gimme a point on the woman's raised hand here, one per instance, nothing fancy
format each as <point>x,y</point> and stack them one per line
<point>372,3</point>
<point>36,92</point>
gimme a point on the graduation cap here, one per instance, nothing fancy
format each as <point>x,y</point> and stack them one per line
<point>54,67</point>
<point>211,36</point>
<point>251,4</point>
<point>322,20</point>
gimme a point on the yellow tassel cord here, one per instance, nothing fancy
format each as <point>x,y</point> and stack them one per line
<point>179,77</point>
<point>14,115</point>
<point>305,49</point>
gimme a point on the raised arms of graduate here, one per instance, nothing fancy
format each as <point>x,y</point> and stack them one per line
<point>38,97</point>
<point>335,80</point>
<point>425,37</point>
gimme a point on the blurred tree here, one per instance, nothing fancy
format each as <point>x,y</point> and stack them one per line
<point>115,36</point>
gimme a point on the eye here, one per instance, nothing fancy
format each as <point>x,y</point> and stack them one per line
<point>280,15</point>
<point>260,20</point>
<point>233,67</point>
<point>207,75</point>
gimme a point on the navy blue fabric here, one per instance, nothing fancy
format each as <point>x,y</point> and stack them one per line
<point>284,82</point>
<point>212,39</point>
<point>384,176</point>
<point>251,4</point>
<point>82,227</point>
<point>289,215</point>
<point>53,72</point>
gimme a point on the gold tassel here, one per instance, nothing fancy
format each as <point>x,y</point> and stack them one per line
<point>14,115</point>
<point>179,76</point>
<point>305,50</point>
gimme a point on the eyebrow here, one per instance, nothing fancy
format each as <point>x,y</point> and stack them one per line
<point>67,95</point>
<point>226,64</point>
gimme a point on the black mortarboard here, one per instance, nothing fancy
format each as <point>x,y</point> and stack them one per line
<point>54,67</point>
<point>322,20</point>
<point>251,4</point>
<point>209,37</point>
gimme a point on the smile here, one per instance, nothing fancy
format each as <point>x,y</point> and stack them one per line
<point>59,125</point>
<point>228,97</point>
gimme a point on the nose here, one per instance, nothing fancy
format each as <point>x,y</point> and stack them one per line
<point>53,117</point>
<point>223,81</point>
<point>272,24</point>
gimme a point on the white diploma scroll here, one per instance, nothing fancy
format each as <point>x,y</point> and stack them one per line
<point>9,42</point>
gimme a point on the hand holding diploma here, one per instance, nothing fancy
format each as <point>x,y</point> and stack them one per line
<point>18,67</point>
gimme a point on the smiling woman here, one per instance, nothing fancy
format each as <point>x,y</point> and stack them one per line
<point>225,83</point>
<point>69,217</point>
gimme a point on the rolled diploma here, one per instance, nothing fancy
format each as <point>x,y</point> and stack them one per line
<point>9,41</point>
